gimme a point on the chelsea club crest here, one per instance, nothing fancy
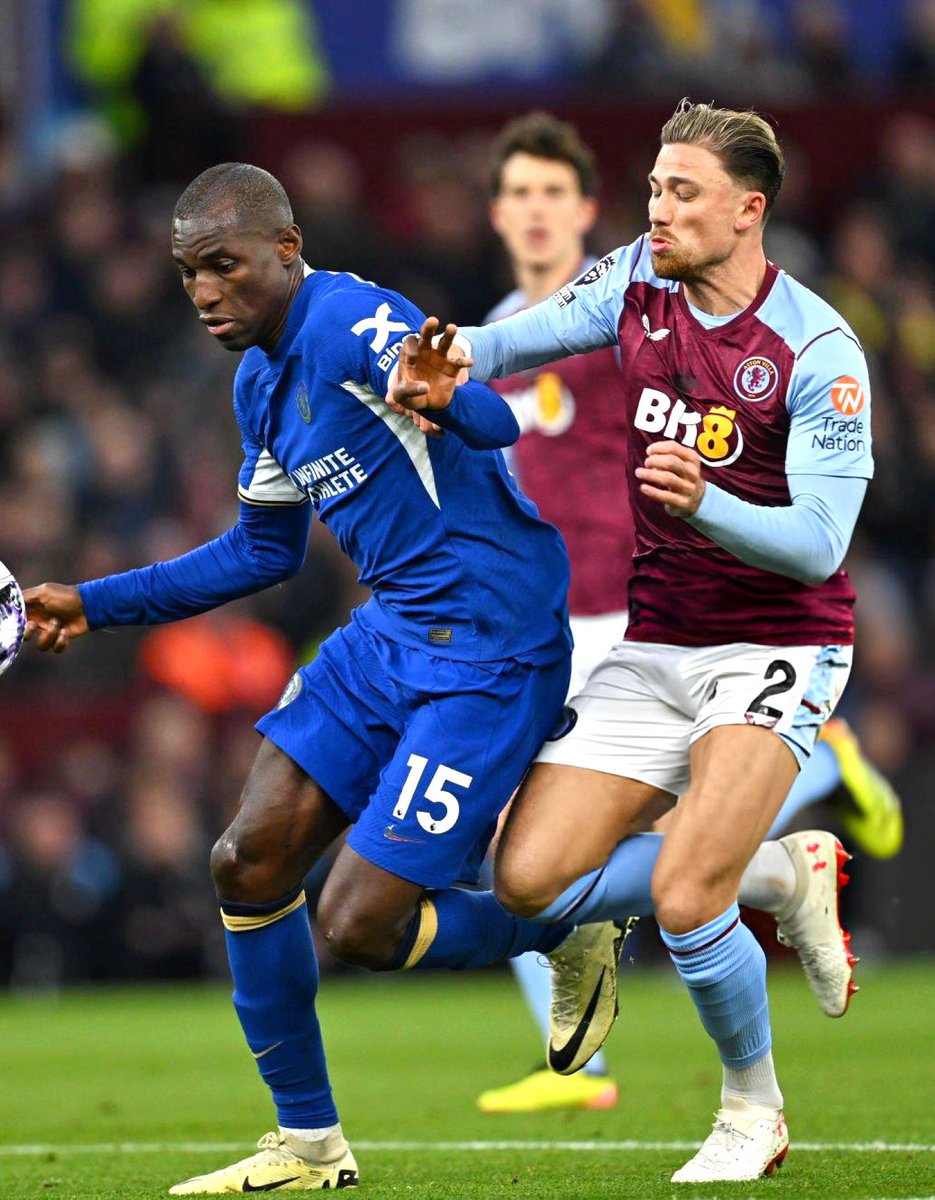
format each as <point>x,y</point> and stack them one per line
<point>302,404</point>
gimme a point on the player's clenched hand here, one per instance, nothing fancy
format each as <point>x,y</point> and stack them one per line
<point>671,474</point>
<point>428,374</point>
<point>54,615</point>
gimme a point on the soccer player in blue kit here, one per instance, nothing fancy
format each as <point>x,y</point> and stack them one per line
<point>418,719</point>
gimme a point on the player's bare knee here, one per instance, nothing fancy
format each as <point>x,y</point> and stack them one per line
<point>523,894</point>
<point>225,864</point>
<point>245,873</point>
<point>681,905</point>
<point>357,935</point>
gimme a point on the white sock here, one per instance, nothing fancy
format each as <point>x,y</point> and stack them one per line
<point>769,881</point>
<point>752,1085</point>
<point>317,1145</point>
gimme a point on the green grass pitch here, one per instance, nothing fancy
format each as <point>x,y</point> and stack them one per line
<point>132,1090</point>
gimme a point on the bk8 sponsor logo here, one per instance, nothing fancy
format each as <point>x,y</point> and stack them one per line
<point>714,434</point>
<point>547,406</point>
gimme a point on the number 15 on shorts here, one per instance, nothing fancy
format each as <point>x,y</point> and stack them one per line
<point>435,794</point>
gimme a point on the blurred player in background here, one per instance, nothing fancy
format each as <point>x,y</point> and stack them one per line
<point>741,621</point>
<point>571,460</point>
<point>417,720</point>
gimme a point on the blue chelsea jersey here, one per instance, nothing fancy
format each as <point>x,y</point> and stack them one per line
<point>456,556</point>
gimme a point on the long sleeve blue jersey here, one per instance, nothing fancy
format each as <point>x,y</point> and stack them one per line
<point>456,556</point>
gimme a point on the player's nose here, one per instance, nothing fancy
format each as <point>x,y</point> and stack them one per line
<point>205,294</point>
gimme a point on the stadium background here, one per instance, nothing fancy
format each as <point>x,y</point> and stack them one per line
<point>121,762</point>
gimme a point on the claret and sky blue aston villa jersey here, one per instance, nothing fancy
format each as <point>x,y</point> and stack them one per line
<point>780,389</point>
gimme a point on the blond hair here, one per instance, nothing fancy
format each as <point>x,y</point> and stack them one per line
<point>746,144</point>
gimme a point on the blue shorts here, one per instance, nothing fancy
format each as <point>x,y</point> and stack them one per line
<point>420,752</point>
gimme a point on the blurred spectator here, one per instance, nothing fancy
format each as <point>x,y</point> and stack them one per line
<point>219,662</point>
<point>234,53</point>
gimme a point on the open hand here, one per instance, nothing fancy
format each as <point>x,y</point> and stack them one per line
<point>671,474</point>
<point>428,374</point>
<point>54,615</point>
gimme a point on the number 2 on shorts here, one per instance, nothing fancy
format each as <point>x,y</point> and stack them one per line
<point>777,666</point>
<point>435,793</point>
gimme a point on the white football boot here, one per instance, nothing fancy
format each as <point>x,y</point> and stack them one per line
<point>584,994</point>
<point>810,922</point>
<point>741,1147</point>
<point>275,1168</point>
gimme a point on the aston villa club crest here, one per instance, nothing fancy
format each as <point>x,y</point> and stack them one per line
<point>755,378</point>
<point>302,404</point>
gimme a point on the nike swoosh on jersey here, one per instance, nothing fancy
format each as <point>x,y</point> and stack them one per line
<point>560,1059</point>
<point>267,1187</point>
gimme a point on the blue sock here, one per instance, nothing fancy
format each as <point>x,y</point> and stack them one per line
<point>458,929</point>
<point>536,985</point>
<point>619,889</point>
<point>725,971</point>
<point>272,960</point>
<point>820,775</point>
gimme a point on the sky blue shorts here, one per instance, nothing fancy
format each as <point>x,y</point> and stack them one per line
<point>420,752</point>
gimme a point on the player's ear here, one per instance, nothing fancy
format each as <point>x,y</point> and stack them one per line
<point>289,244</point>
<point>587,214</point>
<point>752,209</point>
<point>493,212</point>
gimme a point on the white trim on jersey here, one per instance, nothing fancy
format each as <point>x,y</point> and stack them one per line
<point>270,484</point>
<point>412,440</point>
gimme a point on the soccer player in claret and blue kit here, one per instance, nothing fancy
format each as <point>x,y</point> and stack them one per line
<point>418,719</point>
<point>570,460</point>
<point>748,413</point>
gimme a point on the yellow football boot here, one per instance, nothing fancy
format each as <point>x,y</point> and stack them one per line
<point>275,1168</point>
<point>872,816</point>
<point>544,1091</point>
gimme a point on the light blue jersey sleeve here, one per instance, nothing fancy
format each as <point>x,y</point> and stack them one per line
<point>829,406</point>
<point>578,318</point>
<point>805,540</point>
<point>828,464</point>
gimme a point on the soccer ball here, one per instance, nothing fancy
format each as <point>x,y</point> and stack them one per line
<point>12,618</point>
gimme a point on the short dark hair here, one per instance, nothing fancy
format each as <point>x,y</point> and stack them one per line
<point>544,136</point>
<point>249,192</point>
<point>745,143</point>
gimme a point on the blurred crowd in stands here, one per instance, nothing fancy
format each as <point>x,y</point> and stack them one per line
<point>122,761</point>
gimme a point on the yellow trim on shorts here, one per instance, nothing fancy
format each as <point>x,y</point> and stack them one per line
<point>245,924</point>
<point>428,929</point>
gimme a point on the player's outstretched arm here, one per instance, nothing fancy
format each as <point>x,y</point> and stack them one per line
<point>266,546</point>
<point>428,371</point>
<point>55,615</point>
<point>431,378</point>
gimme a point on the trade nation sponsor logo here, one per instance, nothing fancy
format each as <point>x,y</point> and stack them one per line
<point>844,432</point>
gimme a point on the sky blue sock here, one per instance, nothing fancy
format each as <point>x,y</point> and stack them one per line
<point>725,971</point>
<point>535,981</point>
<point>458,929</point>
<point>820,775</point>
<point>620,889</point>
<point>272,960</point>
